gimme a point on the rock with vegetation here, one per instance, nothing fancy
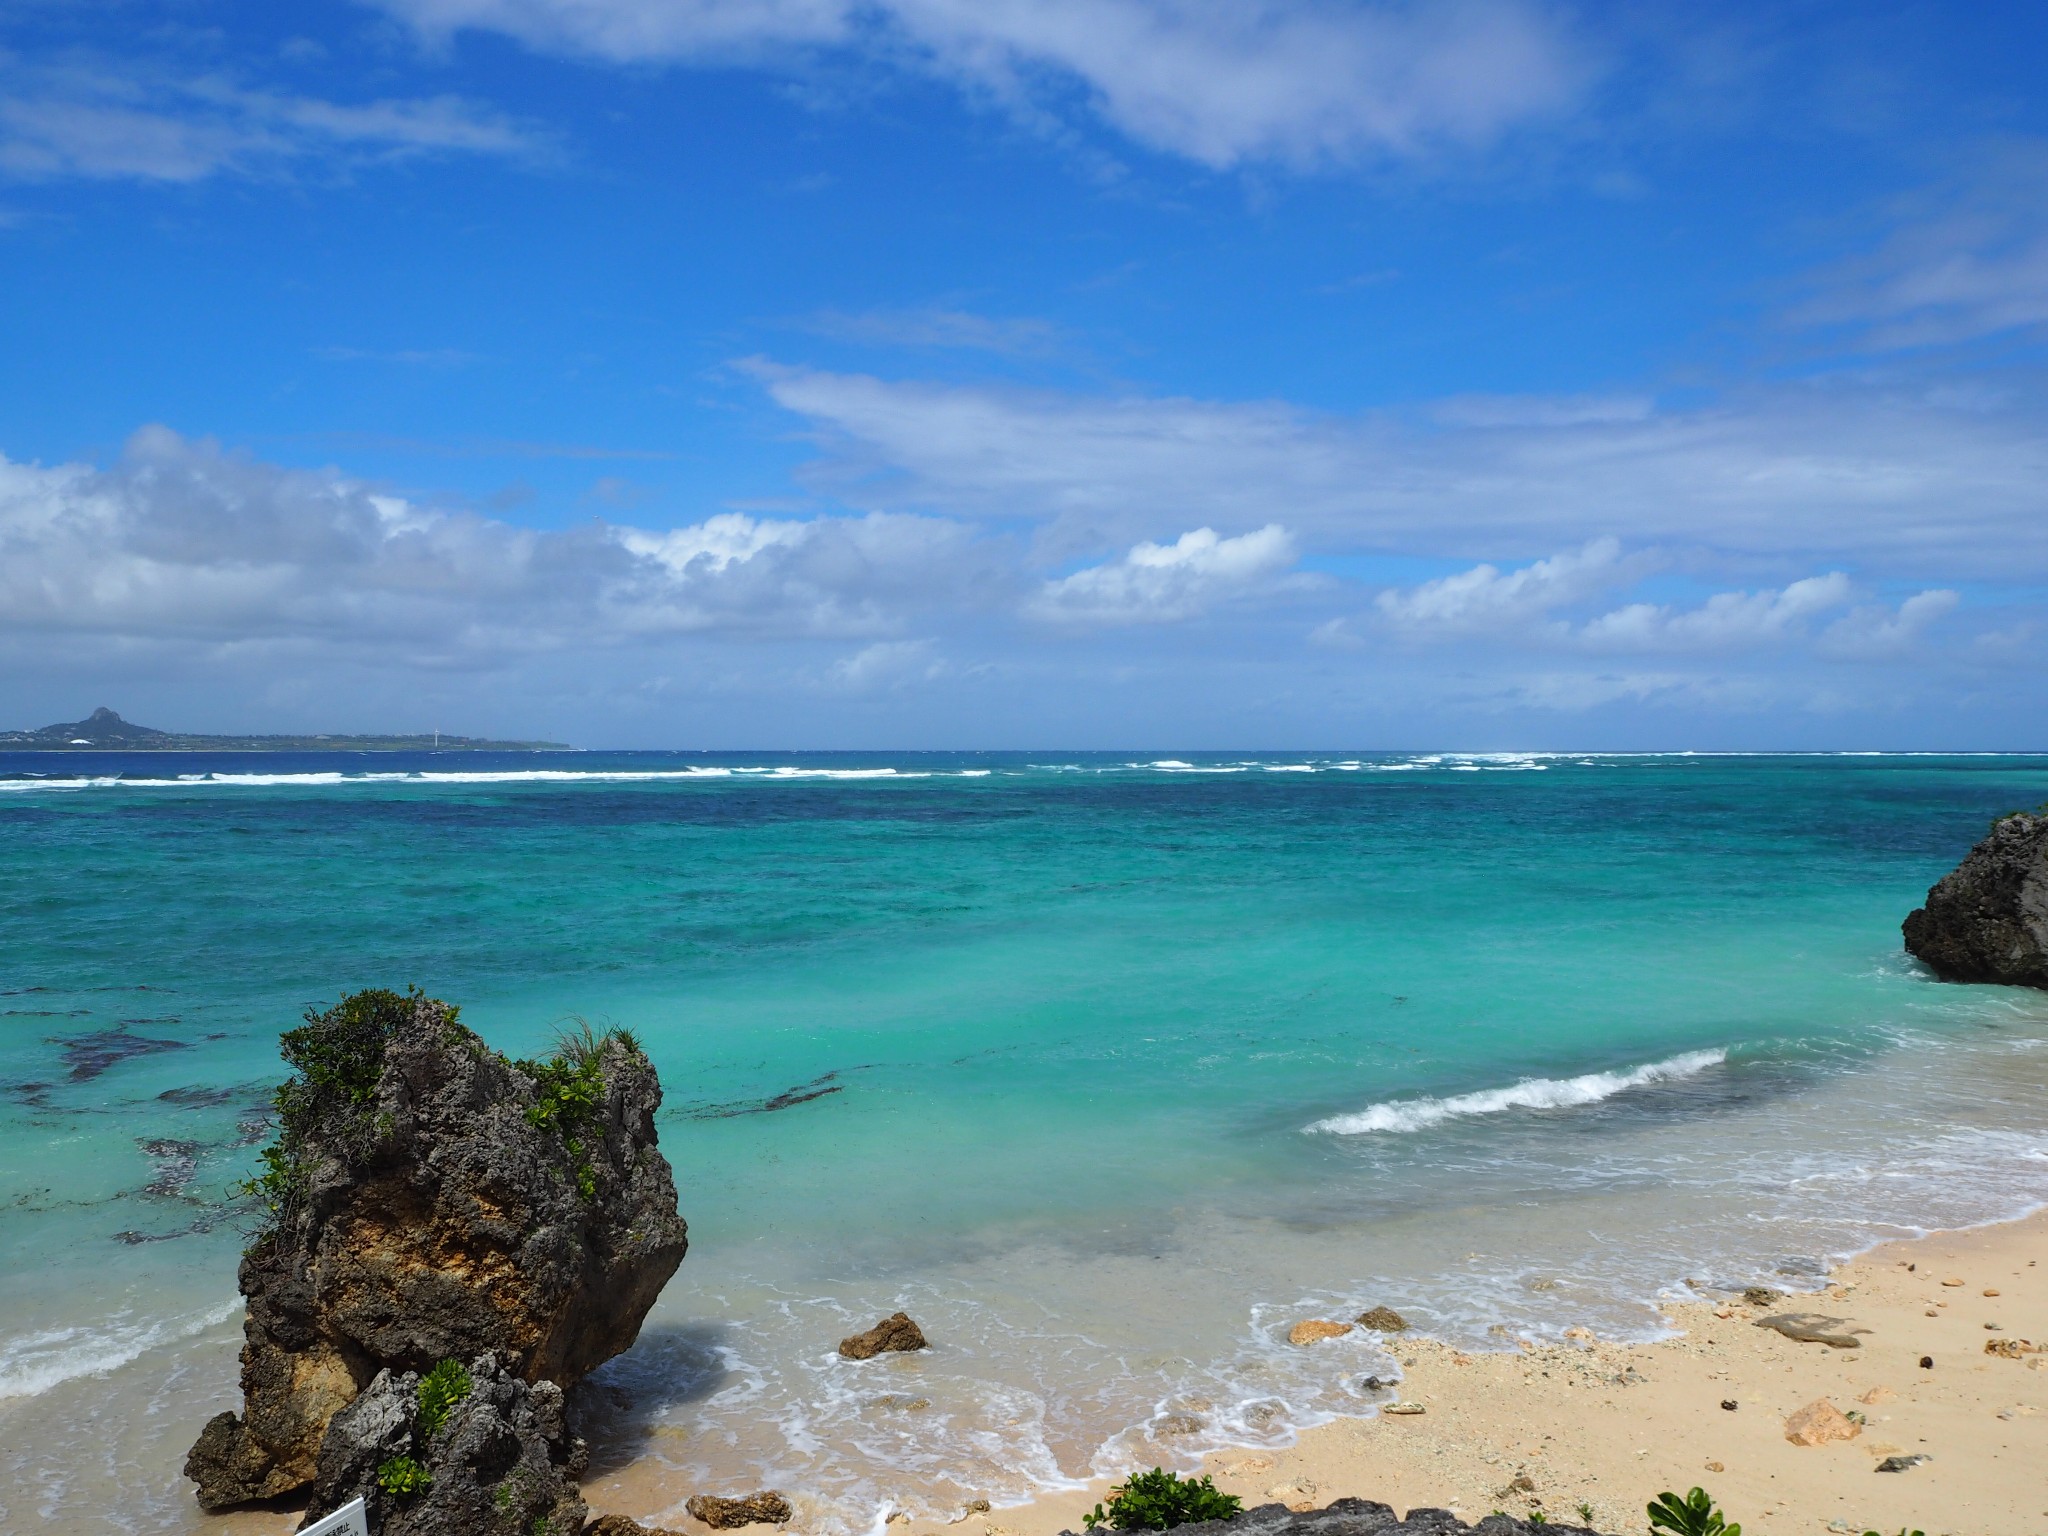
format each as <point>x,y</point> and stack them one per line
<point>469,1450</point>
<point>428,1199</point>
<point>1987,919</point>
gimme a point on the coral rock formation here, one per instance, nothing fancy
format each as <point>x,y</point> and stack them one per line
<point>768,1508</point>
<point>894,1332</point>
<point>501,1463</point>
<point>1987,919</point>
<point>429,1200</point>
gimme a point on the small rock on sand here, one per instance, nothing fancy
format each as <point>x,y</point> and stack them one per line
<point>1315,1330</point>
<point>1953,1280</point>
<point>894,1333</point>
<point>1383,1320</point>
<point>767,1508</point>
<point>1901,1463</point>
<point>1761,1296</point>
<point>1404,1408</point>
<point>1814,1328</point>
<point>1819,1422</point>
<point>1877,1395</point>
<point>2008,1349</point>
<point>1991,1291</point>
<point>619,1525</point>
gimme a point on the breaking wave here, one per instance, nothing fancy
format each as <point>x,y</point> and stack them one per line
<point>1530,1093</point>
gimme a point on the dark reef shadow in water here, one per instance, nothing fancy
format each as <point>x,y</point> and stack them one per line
<point>789,1098</point>
<point>616,1407</point>
<point>89,1055</point>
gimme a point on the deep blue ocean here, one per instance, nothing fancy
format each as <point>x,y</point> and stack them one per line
<point>1106,1067</point>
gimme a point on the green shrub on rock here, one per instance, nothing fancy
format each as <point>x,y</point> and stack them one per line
<point>1159,1500</point>
<point>439,1391</point>
<point>401,1477</point>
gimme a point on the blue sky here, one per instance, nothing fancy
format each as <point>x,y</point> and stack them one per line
<point>1485,373</point>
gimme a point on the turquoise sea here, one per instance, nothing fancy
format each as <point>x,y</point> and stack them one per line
<point>1107,1068</point>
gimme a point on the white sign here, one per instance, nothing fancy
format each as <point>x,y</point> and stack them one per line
<point>349,1520</point>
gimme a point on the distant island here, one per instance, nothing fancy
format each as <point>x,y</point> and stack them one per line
<point>105,731</point>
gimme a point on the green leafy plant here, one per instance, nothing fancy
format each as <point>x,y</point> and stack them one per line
<point>335,1057</point>
<point>1537,1517</point>
<point>1585,1511</point>
<point>402,1477</point>
<point>1159,1500</point>
<point>567,1086</point>
<point>1902,1532</point>
<point>1693,1515</point>
<point>439,1391</point>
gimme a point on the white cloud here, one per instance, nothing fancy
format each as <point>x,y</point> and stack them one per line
<point>1222,82</point>
<point>131,123</point>
<point>1724,621</point>
<point>1159,583</point>
<point>1874,632</point>
<point>1895,482</point>
<point>183,541</point>
<point>1486,600</point>
<point>1960,262</point>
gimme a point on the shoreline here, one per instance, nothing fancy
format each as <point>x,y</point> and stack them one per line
<point>1546,1427</point>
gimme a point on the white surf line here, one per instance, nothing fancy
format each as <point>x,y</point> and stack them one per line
<point>1400,1115</point>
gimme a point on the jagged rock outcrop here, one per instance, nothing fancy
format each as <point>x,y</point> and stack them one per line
<point>1364,1517</point>
<point>432,1200</point>
<point>1987,919</point>
<point>501,1461</point>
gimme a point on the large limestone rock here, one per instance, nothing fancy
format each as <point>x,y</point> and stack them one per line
<point>502,1462</point>
<point>432,1200</point>
<point>1987,919</point>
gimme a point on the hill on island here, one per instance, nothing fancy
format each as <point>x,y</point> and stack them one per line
<point>105,731</point>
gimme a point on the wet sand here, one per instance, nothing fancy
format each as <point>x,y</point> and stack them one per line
<point>1609,1426</point>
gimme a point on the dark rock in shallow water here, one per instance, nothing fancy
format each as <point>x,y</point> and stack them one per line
<point>502,1464</point>
<point>1364,1517</point>
<point>455,1208</point>
<point>1987,919</point>
<point>895,1332</point>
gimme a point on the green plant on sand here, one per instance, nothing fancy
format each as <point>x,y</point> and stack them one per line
<point>1159,1500</point>
<point>439,1391</point>
<point>1693,1515</point>
<point>402,1477</point>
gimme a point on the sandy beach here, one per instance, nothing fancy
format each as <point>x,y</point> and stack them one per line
<point>1552,1427</point>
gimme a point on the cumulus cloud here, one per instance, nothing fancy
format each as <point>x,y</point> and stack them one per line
<point>1723,621</point>
<point>1533,603</point>
<point>1900,482</point>
<point>1487,600</point>
<point>1222,82</point>
<point>181,540</point>
<point>1873,632</point>
<point>1160,583</point>
<point>133,123</point>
